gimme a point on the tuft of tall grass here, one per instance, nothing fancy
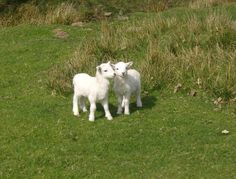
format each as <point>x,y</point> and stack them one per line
<point>26,13</point>
<point>30,13</point>
<point>64,13</point>
<point>213,67</point>
<point>197,4</point>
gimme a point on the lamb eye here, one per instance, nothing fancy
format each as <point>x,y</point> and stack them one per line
<point>117,68</point>
<point>105,70</point>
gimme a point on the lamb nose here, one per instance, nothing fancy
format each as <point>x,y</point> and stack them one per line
<point>123,73</point>
<point>114,74</point>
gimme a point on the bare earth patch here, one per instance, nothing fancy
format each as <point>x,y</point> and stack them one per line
<point>59,33</point>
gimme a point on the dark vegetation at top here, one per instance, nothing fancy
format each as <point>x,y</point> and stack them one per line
<point>86,10</point>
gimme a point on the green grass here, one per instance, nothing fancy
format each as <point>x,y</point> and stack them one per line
<point>173,135</point>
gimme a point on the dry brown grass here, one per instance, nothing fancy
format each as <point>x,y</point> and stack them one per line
<point>197,4</point>
<point>64,13</point>
<point>29,13</point>
<point>26,13</point>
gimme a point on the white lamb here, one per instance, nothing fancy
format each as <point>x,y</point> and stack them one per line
<point>93,88</point>
<point>126,82</point>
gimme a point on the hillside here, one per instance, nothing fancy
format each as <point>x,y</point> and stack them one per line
<point>174,134</point>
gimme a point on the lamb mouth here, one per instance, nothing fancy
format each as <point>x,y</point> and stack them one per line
<point>120,76</point>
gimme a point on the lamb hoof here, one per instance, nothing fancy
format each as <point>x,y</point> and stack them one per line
<point>139,105</point>
<point>109,118</point>
<point>127,113</point>
<point>85,110</point>
<point>119,112</point>
<point>76,114</point>
<point>91,118</point>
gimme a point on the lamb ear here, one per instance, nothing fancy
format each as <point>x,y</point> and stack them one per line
<point>99,69</point>
<point>113,66</point>
<point>129,64</point>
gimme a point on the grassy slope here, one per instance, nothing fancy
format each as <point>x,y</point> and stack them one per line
<point>173,135</point>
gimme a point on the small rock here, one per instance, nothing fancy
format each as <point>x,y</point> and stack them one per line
<point>88,29</point>
<point>123,18</point>
<point>193,93</point>
<point>199,81</point>
<point>225,132</point>
<point>218,101</point>
<point>53,93</point>
<point>107,14</point>
<point>77,24</point>
<point>177,87</point>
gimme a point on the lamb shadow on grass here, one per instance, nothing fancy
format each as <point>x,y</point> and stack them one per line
<point>148,103</point>
<point>101,114</point>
